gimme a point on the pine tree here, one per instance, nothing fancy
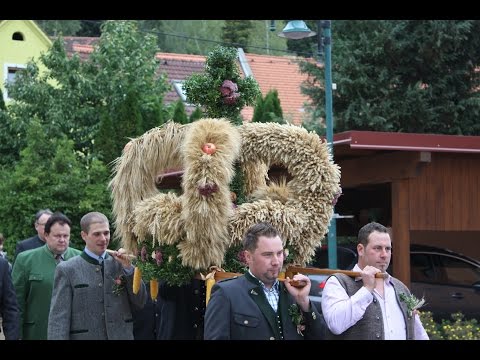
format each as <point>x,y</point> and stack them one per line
<point>258,111</point>
<point>127,123</point>
<point>105,139</point>
<point>196,114</point>
<point>179,113</point>
<point>50,174</point>
<point>236,33</point>
<point>272,111</point>
<point>402,75</point>
<point>268,109</point>
<point>153,116</point>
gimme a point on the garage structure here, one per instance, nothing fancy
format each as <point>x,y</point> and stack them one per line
<point>426,187</point>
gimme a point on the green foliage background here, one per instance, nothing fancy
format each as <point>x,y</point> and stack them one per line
<point>268,109</point>
<point>402,75</point>
<point>65,126</point>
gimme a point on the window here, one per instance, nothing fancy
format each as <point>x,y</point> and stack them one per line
<point>421,268</point>
<point>459,272</point>
<point>10,71</point>
<point>17,36</point>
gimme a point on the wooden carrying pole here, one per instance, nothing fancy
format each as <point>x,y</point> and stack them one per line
<point>289,272</point>
<point>292,270</point>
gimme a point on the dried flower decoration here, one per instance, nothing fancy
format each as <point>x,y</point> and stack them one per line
<point>297,318</point>
<point>412,302</point>
<point>229,91</point>
<point>119,284</point>
<point>241,257</point>
<point>143,253</point>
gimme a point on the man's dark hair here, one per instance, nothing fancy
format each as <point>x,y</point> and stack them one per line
<point>56,218</point>
<point>366,230</point>
<point>250,239</point>
<point>41,212</point>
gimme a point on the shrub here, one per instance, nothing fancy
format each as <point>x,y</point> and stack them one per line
<point>458,328</point>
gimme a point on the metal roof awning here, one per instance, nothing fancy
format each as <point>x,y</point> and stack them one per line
<point>375,140</point>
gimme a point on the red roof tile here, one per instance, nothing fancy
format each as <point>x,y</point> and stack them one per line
<point>271,72</point>
<point>179,68</point>
<point>283,74</point>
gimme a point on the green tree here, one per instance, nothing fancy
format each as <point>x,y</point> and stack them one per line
<point>66,105</point>
<point>264,40</point>
<point>268,109</point>
<point>70,95</point>
<point>157,27</point>
<point>106,140</point>
<point>201,36</point>
<point>258,110</point>
<point>406,75</point>
<point>271,108</point>
<point>50,174</point>
<point>2,102</point>
<point>179,113</point>
<point>196,114</point>
<point>236,33</point>
<point>192,36</point>
<point>92,28</point>
<point>60,27</point>
<point>153,113</point>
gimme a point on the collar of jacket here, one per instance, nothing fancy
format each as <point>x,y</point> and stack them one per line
<point>92,260</point>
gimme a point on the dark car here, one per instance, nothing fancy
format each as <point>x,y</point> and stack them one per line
<point>449,281</point>
<point>346,260</point>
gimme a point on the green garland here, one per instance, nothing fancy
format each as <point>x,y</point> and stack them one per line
<point>169,267</point>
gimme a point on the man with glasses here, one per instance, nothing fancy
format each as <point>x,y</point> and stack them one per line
<point>38,240</point>
<point>33,273</point>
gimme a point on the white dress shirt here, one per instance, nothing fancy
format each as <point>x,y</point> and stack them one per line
<point>341,311</point>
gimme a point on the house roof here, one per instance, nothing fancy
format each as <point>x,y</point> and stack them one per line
<point>82,46</point>
<point>33,26</point>
<point>70,41</point>
<point>281,73</point>
<point>178,67</point>
<point>271,72</point>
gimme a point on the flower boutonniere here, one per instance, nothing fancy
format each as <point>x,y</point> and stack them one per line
<point>297,318</point>
<point>119,284</point>
<point>412,303</point>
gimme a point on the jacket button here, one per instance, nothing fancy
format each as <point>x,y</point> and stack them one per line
<point>272,338</point>
<point>245,322</point>
<point>100,284</point>
<point>378,317</point>
<point>377,336</point>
